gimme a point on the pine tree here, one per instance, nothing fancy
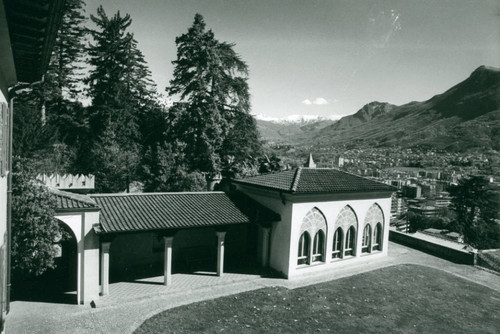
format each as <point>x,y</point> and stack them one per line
<point>120,79</point>
<point>63,78</point>
<point>122,93</point>
<point>210,79</point>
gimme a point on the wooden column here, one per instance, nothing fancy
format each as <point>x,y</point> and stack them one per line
<point>105,268</point>
<point>168,260</point>
<point>220,252</point>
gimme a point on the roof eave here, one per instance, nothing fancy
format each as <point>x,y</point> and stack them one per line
<point>7,70</point>
<point>102,231</point>
<point>76,210</point>
<point>38,60</point>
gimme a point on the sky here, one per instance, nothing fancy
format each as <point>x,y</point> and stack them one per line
<point>327,57</point>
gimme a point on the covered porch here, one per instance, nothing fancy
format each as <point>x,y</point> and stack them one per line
<point>177,241</point>
<point>161,241</point>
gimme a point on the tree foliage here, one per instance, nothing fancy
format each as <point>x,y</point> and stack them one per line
<point>64,75</point>
<point>212,116</point>
<point>476,208</point>
<point>34,228</point>
<point>122,93</point>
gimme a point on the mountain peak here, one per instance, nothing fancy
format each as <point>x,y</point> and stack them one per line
<point>299,119</point>
<point>373,109</point>
<point>484,73</point>
<point>485,69</point>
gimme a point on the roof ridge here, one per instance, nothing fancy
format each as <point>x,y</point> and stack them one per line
<point>156,193</point>
<point>296,179</point>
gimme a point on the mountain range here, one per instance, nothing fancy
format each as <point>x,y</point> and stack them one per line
<point>466,116</point>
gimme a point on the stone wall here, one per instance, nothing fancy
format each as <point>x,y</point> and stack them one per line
<point>451,254</point>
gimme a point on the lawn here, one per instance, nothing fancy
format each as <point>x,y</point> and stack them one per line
<point>399,299</point>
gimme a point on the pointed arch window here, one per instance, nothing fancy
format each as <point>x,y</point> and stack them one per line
<point>304,249</point>
<point>337,244</point>
<point>377,237</point>
<point>318,246</point>
<point>350,238</point>
<point>348,221</point>
<point>367,233</point>
<point>375,218</point>
<point>311,246</point>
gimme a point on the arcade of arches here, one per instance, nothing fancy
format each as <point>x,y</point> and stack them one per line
<point>312,243</point>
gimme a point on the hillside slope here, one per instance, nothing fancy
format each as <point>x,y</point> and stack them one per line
<point>464,117</point>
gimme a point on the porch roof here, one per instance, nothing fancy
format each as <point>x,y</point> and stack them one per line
<point>315,180</point>
<point>67,201</point>
<point>160,211</point>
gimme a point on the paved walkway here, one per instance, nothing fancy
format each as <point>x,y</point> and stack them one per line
<point>131,303</point>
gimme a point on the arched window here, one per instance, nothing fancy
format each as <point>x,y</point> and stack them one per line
<point>337,244</point>
<point>318,246</point>
<point>375,218</point>
<point>367,233</point>
<point>377,237</point>
<point>348,221</point>
<point>304,248</point>
<point>313,225</point>
<point>350,238</point>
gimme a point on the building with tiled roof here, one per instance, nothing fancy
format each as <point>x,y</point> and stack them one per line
<point>28,32</point>
<point>295,222</point>
<point>329,218</point>
<point>304,180</point>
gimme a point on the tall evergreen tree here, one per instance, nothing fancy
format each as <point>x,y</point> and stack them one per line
<point>64,75</point>
<point>122,92</point>
<point>210,79</point>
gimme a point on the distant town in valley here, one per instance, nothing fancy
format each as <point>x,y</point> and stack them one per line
<point>421,148</point>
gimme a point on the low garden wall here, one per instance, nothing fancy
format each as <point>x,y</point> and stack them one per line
<point>455,255</point>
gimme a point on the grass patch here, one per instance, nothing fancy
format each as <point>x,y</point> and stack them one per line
<point>399,299</point>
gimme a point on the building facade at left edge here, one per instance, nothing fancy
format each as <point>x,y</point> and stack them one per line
<point>28,31</point>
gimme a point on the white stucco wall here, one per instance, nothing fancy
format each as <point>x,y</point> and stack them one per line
<point>3,229</point>
<point>88,253</point>
<point>330,210</point>
<point>280,231</point>
<point>285,234</point>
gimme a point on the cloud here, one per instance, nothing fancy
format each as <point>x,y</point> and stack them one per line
<point>320,101</point>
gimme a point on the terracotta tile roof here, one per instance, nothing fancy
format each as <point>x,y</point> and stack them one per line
<point>157,211</point>
<point>315,180</point>
<point>70,201</point>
